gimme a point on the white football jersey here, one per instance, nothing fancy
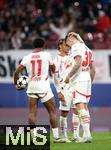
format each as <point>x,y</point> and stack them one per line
<point>63,67</point>
<point>37,66</point>
<point>80,49</point>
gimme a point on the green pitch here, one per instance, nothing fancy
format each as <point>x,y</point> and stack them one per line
<point>102,141</point>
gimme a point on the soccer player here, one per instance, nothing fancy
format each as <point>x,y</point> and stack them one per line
<point>80,78</point>
<point>37,65</point>
<point>64,63</point>
<point>75,116</point>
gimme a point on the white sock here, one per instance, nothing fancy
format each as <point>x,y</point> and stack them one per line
<point>63,126</point>
<point>84,135</point>
<point>76,125</point>
<point>85,122</point>
<point>55,133</point>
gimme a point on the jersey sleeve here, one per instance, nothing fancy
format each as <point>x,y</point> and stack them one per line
<point>24,61</point>
<point>76,52</point>
<point>56,82</point>
<point>56,65</point>
<point>56,76</point>
<point>50,59</point>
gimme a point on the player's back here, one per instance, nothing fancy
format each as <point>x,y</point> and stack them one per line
<point>80,49</point>
<point>37,65</point>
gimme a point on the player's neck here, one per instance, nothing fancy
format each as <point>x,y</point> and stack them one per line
<point>63,54</point>
<point>38,50</point>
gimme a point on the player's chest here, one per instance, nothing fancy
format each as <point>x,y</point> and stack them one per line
<point>65,63</point>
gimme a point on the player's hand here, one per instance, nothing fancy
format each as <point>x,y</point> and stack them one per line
<point>18,87</point>
<point>61,97</point>
<point>72,33</point>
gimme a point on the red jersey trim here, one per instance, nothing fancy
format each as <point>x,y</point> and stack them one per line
<point>37,50</point>
<point>87,96</point>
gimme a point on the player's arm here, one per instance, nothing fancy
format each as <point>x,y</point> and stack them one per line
<point>77,65</point>
<point>57,86</point>
<point>52,68</point>
<point>92,71</point>
<point>77,35</point>
<point>16,74</point>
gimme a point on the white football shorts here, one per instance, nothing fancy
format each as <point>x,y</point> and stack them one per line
<point>81,91</point>
<point>67,105</point>
<point>44,97</point>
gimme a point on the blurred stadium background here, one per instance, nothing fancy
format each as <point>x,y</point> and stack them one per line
<point>21,21</point>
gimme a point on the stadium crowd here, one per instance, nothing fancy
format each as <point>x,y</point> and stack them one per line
<point>21,21</point>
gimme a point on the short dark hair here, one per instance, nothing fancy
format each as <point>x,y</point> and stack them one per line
<point>66,37</point>
<point>38,43</point>
<point>60,42</point>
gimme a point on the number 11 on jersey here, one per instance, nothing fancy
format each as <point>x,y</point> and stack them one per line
<point>36,67</point>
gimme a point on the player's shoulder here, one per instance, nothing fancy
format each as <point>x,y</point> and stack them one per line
<point>84,47</point>
<point>81,45</point>
<point>46,53</point>
<point>75,48</point>
<point>56,58</point>
<point>25,59</point>
<point>60,57</point>
<point>27,56</point>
